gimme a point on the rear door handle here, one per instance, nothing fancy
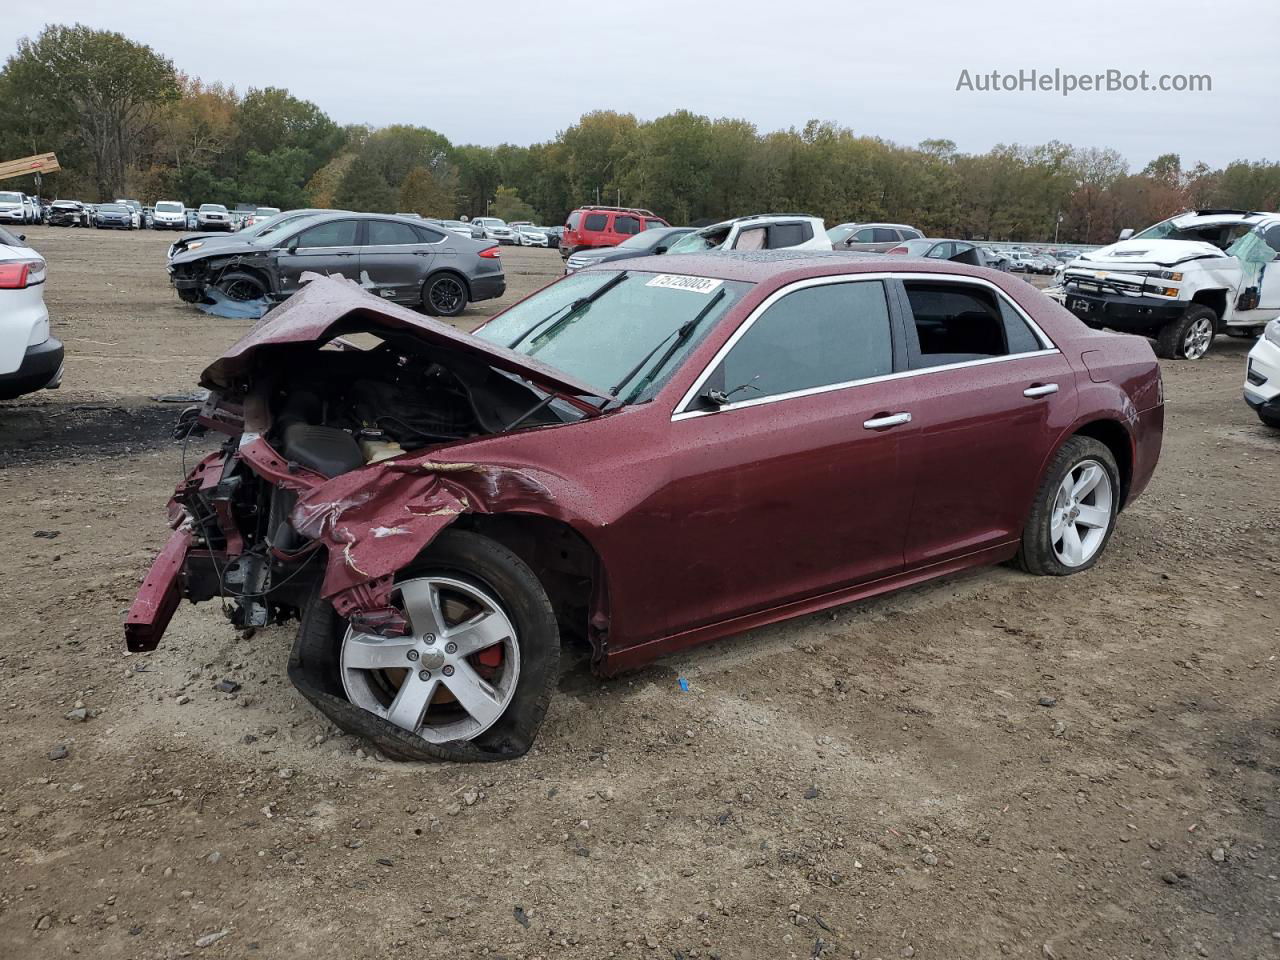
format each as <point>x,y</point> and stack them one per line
<point>888,420</point>
<point>1040,390</point>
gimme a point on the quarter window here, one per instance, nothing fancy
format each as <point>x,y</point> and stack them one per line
<point>388,233</point>
<point>595,221</point>
<point>783,235</point>
<point>653,224</point>
<point>336,233</point>
<point>814,337</point>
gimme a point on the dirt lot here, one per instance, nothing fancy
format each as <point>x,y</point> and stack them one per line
<point>989,765</point>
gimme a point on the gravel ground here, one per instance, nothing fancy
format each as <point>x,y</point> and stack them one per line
<point>990,765</point>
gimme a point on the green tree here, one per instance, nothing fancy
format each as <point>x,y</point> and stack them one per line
<point>363,188</point>
<point>273,119</point>
<point>430,194</point>
<point>508,205</point>
<point>98,89</point>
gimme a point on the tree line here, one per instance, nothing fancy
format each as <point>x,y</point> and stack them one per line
<point>125,121</point>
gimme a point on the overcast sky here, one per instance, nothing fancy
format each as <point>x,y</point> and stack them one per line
<point>520,70</point>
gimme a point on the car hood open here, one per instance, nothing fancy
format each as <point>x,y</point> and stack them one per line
<point>1165,253</point>
<point>328,307</point>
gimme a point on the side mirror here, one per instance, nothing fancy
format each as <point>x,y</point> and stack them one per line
<point>22,236</point>
<point>660,248</point>
<point>1126,233</point>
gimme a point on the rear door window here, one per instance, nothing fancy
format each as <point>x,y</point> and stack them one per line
<point>885,235</point>
<point>595,221</point>
<point>955,323</point>
<point>815,337</point>
<point>626,225</point>
<point>389,233</point>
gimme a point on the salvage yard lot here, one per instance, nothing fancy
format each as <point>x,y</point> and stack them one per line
<point>989,765</point>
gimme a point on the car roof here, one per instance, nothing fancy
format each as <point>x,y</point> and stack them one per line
<point>758,266</point>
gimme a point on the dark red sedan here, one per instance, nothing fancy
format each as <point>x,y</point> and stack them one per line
<point>645,455</point>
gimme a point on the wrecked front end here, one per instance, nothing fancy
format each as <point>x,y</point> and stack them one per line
<point>335,417</point>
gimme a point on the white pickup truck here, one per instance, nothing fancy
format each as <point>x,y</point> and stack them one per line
<point>1182,281</point>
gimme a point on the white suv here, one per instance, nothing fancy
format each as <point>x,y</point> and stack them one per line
<point>1262,376</point>
<point>30,358</point>
<point>766,231</point>
<point>12,208</point>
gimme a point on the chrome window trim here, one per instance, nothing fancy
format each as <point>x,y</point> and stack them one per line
<point>681,411</point>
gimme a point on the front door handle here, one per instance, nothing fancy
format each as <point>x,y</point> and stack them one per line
<point>888,420</point>
<point>1040,390</point>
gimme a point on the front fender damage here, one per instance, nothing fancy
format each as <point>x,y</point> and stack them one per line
<point>375,522</point>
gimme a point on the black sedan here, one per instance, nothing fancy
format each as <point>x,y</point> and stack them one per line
<point>113,216</point>
<point>406,261</point>
<point>647,244</point>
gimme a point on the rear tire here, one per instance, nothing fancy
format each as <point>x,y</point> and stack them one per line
<point>1070,526</point>
<point>444,295</point>
<point>1189,337</point>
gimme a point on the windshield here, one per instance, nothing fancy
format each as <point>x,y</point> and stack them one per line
<point>916,248</point>
<point>113,208</point>
<point>212,208</point>
<point>641,241</point>
<point>1220,234</point>
<point>841,233</point>
<point>266,211</point>
<point>605,341</point>
<point>165,206</point>
<point>10,197</point>
<point>268,230</point>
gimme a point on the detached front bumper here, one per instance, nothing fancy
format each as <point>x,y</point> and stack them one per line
<point>1119,312</point>
<point>159,595</point>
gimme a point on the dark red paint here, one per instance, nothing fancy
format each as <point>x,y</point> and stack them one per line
<point>707,526</point>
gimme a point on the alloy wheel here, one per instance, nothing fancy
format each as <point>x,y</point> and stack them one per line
<point>445,294</point>
<point>1081,513</point>
<point>1199,336</point>
<point>451,677</point>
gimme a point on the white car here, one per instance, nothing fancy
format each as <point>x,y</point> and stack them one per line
<point>169,215</point>
<point>30,358</point>
<point>496,228</point>
<point>213,216</point>
<point>12,207</point>
<point>527,235</point>
<point>768,231</point>
<point>1262,376</point>
<point>260,215</point>
<point>1182,281</point>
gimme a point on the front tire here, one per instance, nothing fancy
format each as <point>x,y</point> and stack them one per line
<point>241,286</point>
<point>1074,513</point>
<point>444,295</point>
<point>472,681</point>
<point>1189,337</point>
<point>1269,420</point>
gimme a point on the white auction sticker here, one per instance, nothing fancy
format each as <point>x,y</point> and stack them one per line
<point>677,282</point>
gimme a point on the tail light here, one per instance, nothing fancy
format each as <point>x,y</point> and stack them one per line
<point>20,274</point>
<point>898,250</point>
<point>490,253</point>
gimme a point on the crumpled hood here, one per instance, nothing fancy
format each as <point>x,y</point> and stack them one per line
<point>1146,253</point>
<point>326,307</point>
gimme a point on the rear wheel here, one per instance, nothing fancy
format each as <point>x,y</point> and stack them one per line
<point>473,677</point>
<point>1075,510</point>
<point>444,295</point>
<point>1189,337</point>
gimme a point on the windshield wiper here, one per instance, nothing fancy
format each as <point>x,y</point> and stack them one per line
<point>574,309</point>
<point>681,334</point>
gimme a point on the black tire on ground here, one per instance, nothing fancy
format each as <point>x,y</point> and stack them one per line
<point>1036,554</point>
<point>444,295</point>
<point>314,666</point>
<point>1172,341</point>
<point>189,296</point>
<point>242,286</point>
